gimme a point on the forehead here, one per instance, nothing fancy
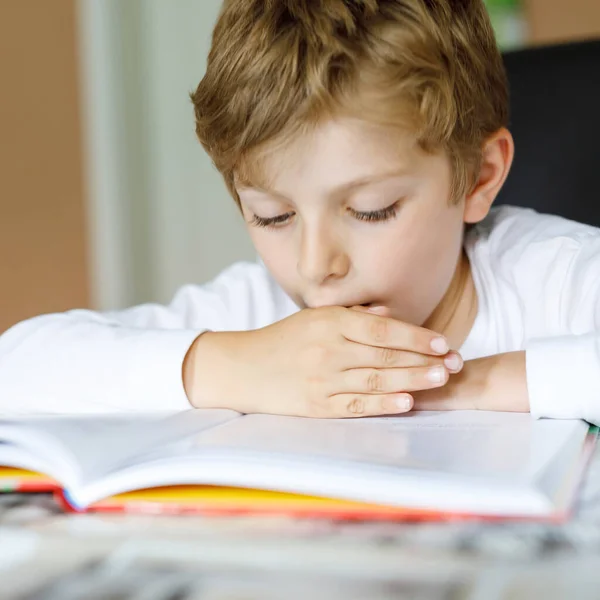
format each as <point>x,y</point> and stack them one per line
<point>329,154</point>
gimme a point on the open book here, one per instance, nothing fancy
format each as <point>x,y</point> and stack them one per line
<point>452,463</point>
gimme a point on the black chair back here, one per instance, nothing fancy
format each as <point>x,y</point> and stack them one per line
<point>555,121</point>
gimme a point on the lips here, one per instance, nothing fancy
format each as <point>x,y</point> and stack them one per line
<point>378,309</point>
<point>345,304</point>
<point>362,304</point>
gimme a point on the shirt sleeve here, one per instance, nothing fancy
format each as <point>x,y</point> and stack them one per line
<point>563,371</point>
<point>84,362</point>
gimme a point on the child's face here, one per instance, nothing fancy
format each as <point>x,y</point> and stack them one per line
<point>363,216</point>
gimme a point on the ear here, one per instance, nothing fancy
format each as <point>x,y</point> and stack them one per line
<point>497,156</point>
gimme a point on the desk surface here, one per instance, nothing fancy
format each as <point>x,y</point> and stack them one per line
<point>45,554</point>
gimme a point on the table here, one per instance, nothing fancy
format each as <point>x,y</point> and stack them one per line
<point>48,555</point>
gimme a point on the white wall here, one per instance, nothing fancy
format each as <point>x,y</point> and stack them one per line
<point>159,212</point>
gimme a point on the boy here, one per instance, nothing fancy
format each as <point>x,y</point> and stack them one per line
<point>364,142</point>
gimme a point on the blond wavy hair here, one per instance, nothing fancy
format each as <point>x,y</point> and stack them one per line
<point>278,68</point>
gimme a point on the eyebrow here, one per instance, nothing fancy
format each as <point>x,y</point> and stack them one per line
<point>344,188</point>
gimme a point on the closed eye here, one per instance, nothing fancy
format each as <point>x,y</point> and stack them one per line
<point>383,214</point>
<point>271,221</point>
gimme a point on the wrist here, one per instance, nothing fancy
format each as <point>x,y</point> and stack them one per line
<point>202,368</point>
<point>497,382</point>
<point>503,382</point>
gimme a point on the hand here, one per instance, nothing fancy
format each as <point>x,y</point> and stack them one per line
<point>497,382</point>
<point>325,362</point>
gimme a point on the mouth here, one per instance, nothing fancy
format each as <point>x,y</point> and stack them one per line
<point>343,304</point>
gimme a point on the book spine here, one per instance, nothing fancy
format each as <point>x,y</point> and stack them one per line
<point>61,497</point>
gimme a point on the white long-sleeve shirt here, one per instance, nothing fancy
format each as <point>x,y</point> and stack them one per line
<point>537,279</point>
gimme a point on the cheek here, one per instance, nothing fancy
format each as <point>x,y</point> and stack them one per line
<point>440,244</point>
<point>423,247</point>
<point>415,261</point>
<point>277,252</point>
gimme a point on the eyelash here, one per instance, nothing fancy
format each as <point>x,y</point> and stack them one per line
<point>271,222</point>
<point>383,214</point>
<point>375,216</point>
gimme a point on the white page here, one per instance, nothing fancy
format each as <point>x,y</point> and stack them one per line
<point>406,459</point>
<point>481,462</point>
<point>81,448</point>
<point>473,443</point>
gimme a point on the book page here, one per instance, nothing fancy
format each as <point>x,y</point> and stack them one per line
<point>468,461</point>
<point>465,456</point>
<point>86,447</point>
<point>473,443</point>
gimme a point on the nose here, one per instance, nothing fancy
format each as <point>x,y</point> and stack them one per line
<point>322,257</point>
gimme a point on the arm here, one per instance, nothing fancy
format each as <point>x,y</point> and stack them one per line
<point>496,382</point>
<point>326,362</point>
<point>243,353</point>
<point>83,361</point>
<point>557,376</point>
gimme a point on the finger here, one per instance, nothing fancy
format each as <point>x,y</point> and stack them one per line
<point>369,405</point>
<point>375,330</point>
<point>454,362</point>
<point>361,356</point>
<point>389,381</point>
<point>382,311</point>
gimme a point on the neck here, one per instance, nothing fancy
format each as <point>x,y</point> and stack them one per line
<point>455,314</point>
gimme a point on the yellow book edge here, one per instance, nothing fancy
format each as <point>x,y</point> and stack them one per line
<point>207,499</point>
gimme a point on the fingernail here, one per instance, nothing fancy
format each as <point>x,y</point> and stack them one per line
<point>436,375</point>
<point>404,402</point>
<point>440,345</point>
<point>454,362</point>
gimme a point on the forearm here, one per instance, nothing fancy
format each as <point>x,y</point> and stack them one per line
<point>82,362</point>
<point>496,382</point>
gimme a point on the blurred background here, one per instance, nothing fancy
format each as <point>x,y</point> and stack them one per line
<point>106,198</point>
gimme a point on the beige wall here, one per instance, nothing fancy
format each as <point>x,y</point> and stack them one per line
<point>42,233</point>
<point>562,20</point>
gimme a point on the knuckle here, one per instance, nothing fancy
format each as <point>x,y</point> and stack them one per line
<point>321,354</point>
<point>315,383</point>
<point>389,356</point>
<point>356,406</point>
<point>379,330</point>
<point>375,381</point>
